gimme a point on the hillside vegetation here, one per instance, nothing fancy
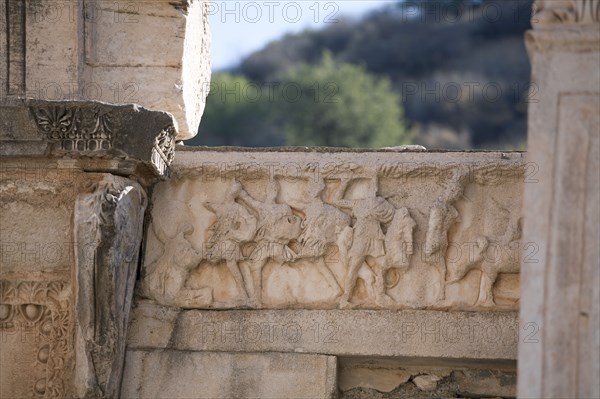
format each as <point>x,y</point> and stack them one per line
<point>459,70</point>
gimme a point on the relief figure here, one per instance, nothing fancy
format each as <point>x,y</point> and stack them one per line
<point>277,226</point>
<point>234,226</point>
<point>368,241</point>
<point>165,281</point>
<point>492,257</point>
<point>442,215</point>
<point>322,227</point>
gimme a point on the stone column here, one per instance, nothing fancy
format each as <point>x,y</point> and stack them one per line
<point>73,183</point>
<point>559,351</point>
<point>155,53</point>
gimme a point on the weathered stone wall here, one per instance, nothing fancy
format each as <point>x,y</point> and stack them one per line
<point>73,181</point>
<point>356,256</point>
<point>289,273</point>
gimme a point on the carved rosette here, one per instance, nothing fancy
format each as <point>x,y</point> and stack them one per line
<point>39,312</point>
<point>75,129</point>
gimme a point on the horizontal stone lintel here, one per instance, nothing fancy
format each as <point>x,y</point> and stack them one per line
<point>458,337</point>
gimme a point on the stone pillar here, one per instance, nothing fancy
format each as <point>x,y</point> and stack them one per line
<point>154,53</point>
<point>73,183</point>
<point>560,350</point>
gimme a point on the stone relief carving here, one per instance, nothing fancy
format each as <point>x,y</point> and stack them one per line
<point>323,227</point>
<point>37,317</point>
<point>234,227</point>
<point>168,274</point>
<point>367,241</point>
<point>357,240</point>
<point>163,151</point>
<point>108,219</point>
<point>442,216</point>
<point>566,11</point>
<point>277,226</point>
<point>492,257</point>
<point>75,129</point>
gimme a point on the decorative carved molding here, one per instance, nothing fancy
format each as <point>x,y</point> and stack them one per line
<point>42,311</point>
<point>75,129</point>
<point>141,141</point>
<point>163,151</point>
<point>583,12</point>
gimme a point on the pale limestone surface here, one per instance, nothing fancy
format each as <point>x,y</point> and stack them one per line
<point>172,374</point>
<point>155,53</point>
<point>459,337</point>
<point>302,229</point>
<point>70,235</point>
<point>560,292</point>
<point>380,379</point>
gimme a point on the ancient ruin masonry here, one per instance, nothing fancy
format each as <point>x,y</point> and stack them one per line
<point>134,267</point>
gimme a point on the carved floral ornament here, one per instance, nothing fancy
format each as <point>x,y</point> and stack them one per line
<point>40,312</point>
<point>75,129</point>
<point>547,12</point>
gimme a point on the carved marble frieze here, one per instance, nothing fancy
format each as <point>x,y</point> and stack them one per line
<point>36,326</point>
<point>313,230</point>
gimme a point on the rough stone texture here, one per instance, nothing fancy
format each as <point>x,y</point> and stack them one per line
<point>560,290</point>
<point>462,383</point>
<point>70,240</point>
<point>150,374</point>
<point>108,231</point>
<point>126,139</point>
<point>292,229</point>
<point>380,379</point>
<point>426,382</point>
<point>454,337</point>
<point>155,53</point>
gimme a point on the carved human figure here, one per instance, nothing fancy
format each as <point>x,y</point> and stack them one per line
<point>398,243</point>
<point>233,227</point>
<point>277,226</point>
<point>491,257</point>
<point>442,216</point>
<point>367,240</point>
<point>322,227</point>
<point>399,239</point>
<point>165,281</point>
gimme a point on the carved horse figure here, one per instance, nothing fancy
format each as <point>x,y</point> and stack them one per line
<point>322,227</point>
<point>277,226</point>
<point>399,248</point>
<point>492,258</point>
<point>234,226</point>
<point>165,281</point>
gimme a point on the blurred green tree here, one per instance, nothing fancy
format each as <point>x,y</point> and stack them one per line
<point>338,105</point>
<point>236,114</point>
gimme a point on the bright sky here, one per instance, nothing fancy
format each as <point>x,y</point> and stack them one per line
<point>242,27</point>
